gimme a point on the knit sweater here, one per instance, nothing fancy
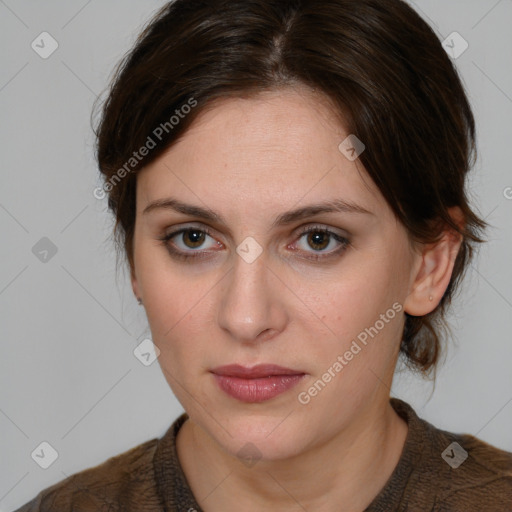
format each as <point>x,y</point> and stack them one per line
<point>438,471</point>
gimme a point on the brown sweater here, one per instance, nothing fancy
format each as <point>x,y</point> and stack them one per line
<point>431,475</point>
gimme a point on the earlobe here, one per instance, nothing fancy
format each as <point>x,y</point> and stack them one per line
<point>433,274</point>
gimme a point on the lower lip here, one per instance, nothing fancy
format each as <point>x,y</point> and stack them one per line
<point>257,390</point>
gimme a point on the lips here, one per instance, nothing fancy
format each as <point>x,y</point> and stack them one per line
<point>256,384</point>
<point>256,372</point>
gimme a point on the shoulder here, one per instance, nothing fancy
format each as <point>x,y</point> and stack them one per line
<point>462,472</point>
<point>124,482</point>
<point>475,475</point>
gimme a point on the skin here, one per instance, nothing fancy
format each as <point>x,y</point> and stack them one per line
<point>251,160</point>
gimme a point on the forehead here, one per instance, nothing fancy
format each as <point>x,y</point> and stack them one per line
<point>273,149</point>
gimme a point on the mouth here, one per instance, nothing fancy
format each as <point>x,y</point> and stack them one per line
<point>258,383</point>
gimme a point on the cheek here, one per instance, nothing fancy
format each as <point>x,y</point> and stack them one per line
<point>363,312</point>
<point>174,310</point>
<point>179,309</point>
<point>358,294</point>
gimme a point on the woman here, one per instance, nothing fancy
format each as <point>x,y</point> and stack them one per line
<point>288,181</point>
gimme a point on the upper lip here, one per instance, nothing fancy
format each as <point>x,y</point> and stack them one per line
<point>254,372</point>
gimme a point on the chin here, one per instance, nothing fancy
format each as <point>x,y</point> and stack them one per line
<point>254,437</point>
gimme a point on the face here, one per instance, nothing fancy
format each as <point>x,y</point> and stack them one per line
<point>319,293</point>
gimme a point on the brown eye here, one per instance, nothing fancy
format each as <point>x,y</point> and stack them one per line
<point>318,240</point>
<point>313,242</point>
<point>190,243</point>
<point>195,236</point>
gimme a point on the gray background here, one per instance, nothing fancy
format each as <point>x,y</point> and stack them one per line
<point>69,325</point>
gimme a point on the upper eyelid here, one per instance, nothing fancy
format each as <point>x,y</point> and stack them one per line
<point>209,230</point>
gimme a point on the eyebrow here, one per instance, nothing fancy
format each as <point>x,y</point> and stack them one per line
<point>334,206</point>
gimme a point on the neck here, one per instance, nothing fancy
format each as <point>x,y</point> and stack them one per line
<point>344,473</point>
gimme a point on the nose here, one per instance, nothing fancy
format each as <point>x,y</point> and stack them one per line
<point>252,307</point>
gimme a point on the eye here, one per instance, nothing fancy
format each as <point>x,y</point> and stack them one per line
<point>320,238</point>
<point>189,243</point>
<point>188,240</point>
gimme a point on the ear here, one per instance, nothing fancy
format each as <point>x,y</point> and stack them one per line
<point>433,269</point>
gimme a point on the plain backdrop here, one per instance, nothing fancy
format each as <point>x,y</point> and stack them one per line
<point>69,326</point>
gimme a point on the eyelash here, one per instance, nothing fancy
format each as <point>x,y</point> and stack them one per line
<point>176,253</point>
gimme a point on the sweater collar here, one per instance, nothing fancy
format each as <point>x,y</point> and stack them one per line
<point>177,496</point>
<point>391,497</point>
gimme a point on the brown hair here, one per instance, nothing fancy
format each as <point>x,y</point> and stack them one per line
<point>376,60</point>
